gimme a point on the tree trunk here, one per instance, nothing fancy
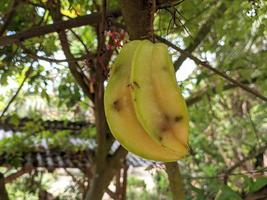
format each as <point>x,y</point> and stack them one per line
<point>138,16</point>
<point>102,178</point>
<point>3,192</point>
<point>175,180</point>
<point>97,187</point>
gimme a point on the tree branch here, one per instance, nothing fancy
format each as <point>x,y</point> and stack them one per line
<point>111,193</point>
<point>80,40</point>
<point>3,192</point>
<point>27,74</point>
<point>249,157</point>
<point>163,4</point>
<point>51,60</point>
<point>101,124</point>
<point>76,180</point>
<point>22,171</point>
<point>194,98</point>
<point>102,175</point>
<point>118,156</point>
<point>58,26</point>
<point>74,67</point>
<point>205,64</point>
<point>175,180</point>
<point>222,175</point>
<point>7,19</point>
<point>208,66</point>
<point>202,33</point>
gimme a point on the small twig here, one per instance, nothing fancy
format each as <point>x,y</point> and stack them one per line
<point>238,164</point>
<point>7,18</point>
<point>169,25</point>
<point>76,180</point>
<point>169,5</point>
<point>208,66</point>
<point>202,32</point>
<point>51,60</point>
<point>80,78</point>
<point>173,14</point>
<point>27,74</point>
<point>197,96</point>
<point>152,7</point>
<point>183,25</point>
<point>253,127</point>
<point>41,5</point>
<point>81,41</point>
<point>223,175</point>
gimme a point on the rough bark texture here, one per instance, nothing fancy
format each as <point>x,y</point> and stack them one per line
<point>102,177</point>
<point>3,192</point>
<point>138,17</point>
<point>175,180</point>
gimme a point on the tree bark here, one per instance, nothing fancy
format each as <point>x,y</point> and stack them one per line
<point>3,192</point>
<point>138,16</point>
<point>175,180</point>
<point>102,177</point>
<point>140,27</point>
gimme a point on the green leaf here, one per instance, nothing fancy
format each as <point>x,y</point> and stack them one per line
<point>226,193</point>
<point>258,184</point>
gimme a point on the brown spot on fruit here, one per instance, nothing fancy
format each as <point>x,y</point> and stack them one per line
<point>117,105</point>
<point>115,70</point>
<point>130,85</point>
<point>164,127</point>
<point>178,118</point>
<point>166,117</point>
<point>164,68</point>
<point>135,84</point>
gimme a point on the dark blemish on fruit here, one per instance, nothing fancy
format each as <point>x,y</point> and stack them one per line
<point>115,70</point>
<point>130,85</point>
<point>164,127</point>
<point>166,117</point>
<point>164,68</point>
<point>178,118</point>
<point>160,138</point>
<point>135,84</point>
<point>117,105</point>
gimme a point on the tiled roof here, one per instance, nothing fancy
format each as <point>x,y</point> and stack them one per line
<point>46,159</point>
<point>44,156</point>
<point>13,124</point>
